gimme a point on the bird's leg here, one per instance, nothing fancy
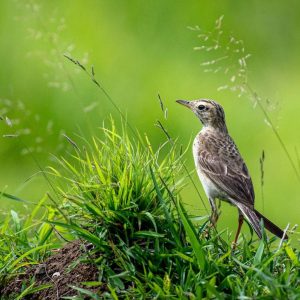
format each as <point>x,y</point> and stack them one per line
<point>241,220</point>
<point>214,212</point>
<point>213,217</point>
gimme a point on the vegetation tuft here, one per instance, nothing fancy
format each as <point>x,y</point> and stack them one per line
<point>116,209</point>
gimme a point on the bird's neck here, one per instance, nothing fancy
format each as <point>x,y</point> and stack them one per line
<point>220,128</point>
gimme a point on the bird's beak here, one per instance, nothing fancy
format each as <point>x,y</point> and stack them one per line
<point>185,103</point>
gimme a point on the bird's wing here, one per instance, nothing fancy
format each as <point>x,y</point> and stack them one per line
<point>230,176</point>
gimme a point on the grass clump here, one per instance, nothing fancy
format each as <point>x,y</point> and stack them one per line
<point>118,199</point>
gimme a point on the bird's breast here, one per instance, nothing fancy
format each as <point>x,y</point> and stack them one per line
<point>209,187</point>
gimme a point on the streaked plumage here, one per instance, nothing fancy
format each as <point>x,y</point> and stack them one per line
<point>221,169</point>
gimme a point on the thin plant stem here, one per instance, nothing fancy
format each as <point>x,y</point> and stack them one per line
<point>275,131</point>
<point>184,166</point>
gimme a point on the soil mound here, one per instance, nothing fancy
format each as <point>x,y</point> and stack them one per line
<point>62,269</point>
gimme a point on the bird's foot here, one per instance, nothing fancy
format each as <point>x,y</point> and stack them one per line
<point>234,245</point>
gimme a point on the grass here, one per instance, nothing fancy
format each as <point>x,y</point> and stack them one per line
<point>121,199</point>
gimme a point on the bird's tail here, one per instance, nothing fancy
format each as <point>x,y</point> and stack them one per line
<point>271,226</point>
<point>254,218</point>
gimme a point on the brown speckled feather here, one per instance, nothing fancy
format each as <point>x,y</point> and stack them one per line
<point>221,161</point>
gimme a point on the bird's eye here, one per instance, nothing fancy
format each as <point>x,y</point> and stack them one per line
<point>201,107</point>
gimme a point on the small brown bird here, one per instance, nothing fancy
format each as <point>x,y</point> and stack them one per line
<point>222,170</point>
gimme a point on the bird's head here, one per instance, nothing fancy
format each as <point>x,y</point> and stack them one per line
<point>210,113</point>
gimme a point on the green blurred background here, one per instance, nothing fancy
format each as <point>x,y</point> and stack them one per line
<point>140,49</point>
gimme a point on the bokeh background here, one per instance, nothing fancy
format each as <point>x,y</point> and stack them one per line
<point>139,49</point>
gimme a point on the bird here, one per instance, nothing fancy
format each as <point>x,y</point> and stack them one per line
<point>222,170</point>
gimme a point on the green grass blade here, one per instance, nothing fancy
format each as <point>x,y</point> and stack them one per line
<point>32,290</point>
<point>14,265</point>
<point>80,231</point>
<point>148,233</point>
<point>85,292</point>
<point>259,252</point>
<point>168,215</point>
<point>191,232</point>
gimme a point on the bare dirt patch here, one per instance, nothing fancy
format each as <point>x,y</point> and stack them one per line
<point>62,269</point>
